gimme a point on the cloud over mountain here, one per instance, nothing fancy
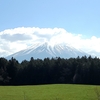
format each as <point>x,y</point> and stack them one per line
<point>13,40</point>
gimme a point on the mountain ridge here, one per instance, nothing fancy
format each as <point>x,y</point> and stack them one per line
<point>45,50</point>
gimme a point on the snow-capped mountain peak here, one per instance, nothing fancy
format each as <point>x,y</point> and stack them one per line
<point>44,50</point>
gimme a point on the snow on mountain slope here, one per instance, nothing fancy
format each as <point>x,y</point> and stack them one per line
<point>44,50</point>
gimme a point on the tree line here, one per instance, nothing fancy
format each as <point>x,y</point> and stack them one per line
<point>84,70</point>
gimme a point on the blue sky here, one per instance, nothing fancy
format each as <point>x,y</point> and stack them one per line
<point>75,16</point>
<point>23,22</point>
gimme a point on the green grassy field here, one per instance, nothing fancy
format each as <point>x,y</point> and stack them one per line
<point>49,92</point>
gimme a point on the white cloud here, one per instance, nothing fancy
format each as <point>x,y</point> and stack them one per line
<point>13,40</point>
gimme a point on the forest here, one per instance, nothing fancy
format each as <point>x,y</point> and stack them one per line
<point>84,70</point>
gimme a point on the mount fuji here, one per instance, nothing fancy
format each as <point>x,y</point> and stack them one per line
<point>44,50</point>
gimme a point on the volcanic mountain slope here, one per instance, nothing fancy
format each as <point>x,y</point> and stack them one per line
<point>44,50</point>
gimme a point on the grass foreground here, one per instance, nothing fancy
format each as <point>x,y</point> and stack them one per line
<point>50,92</point>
